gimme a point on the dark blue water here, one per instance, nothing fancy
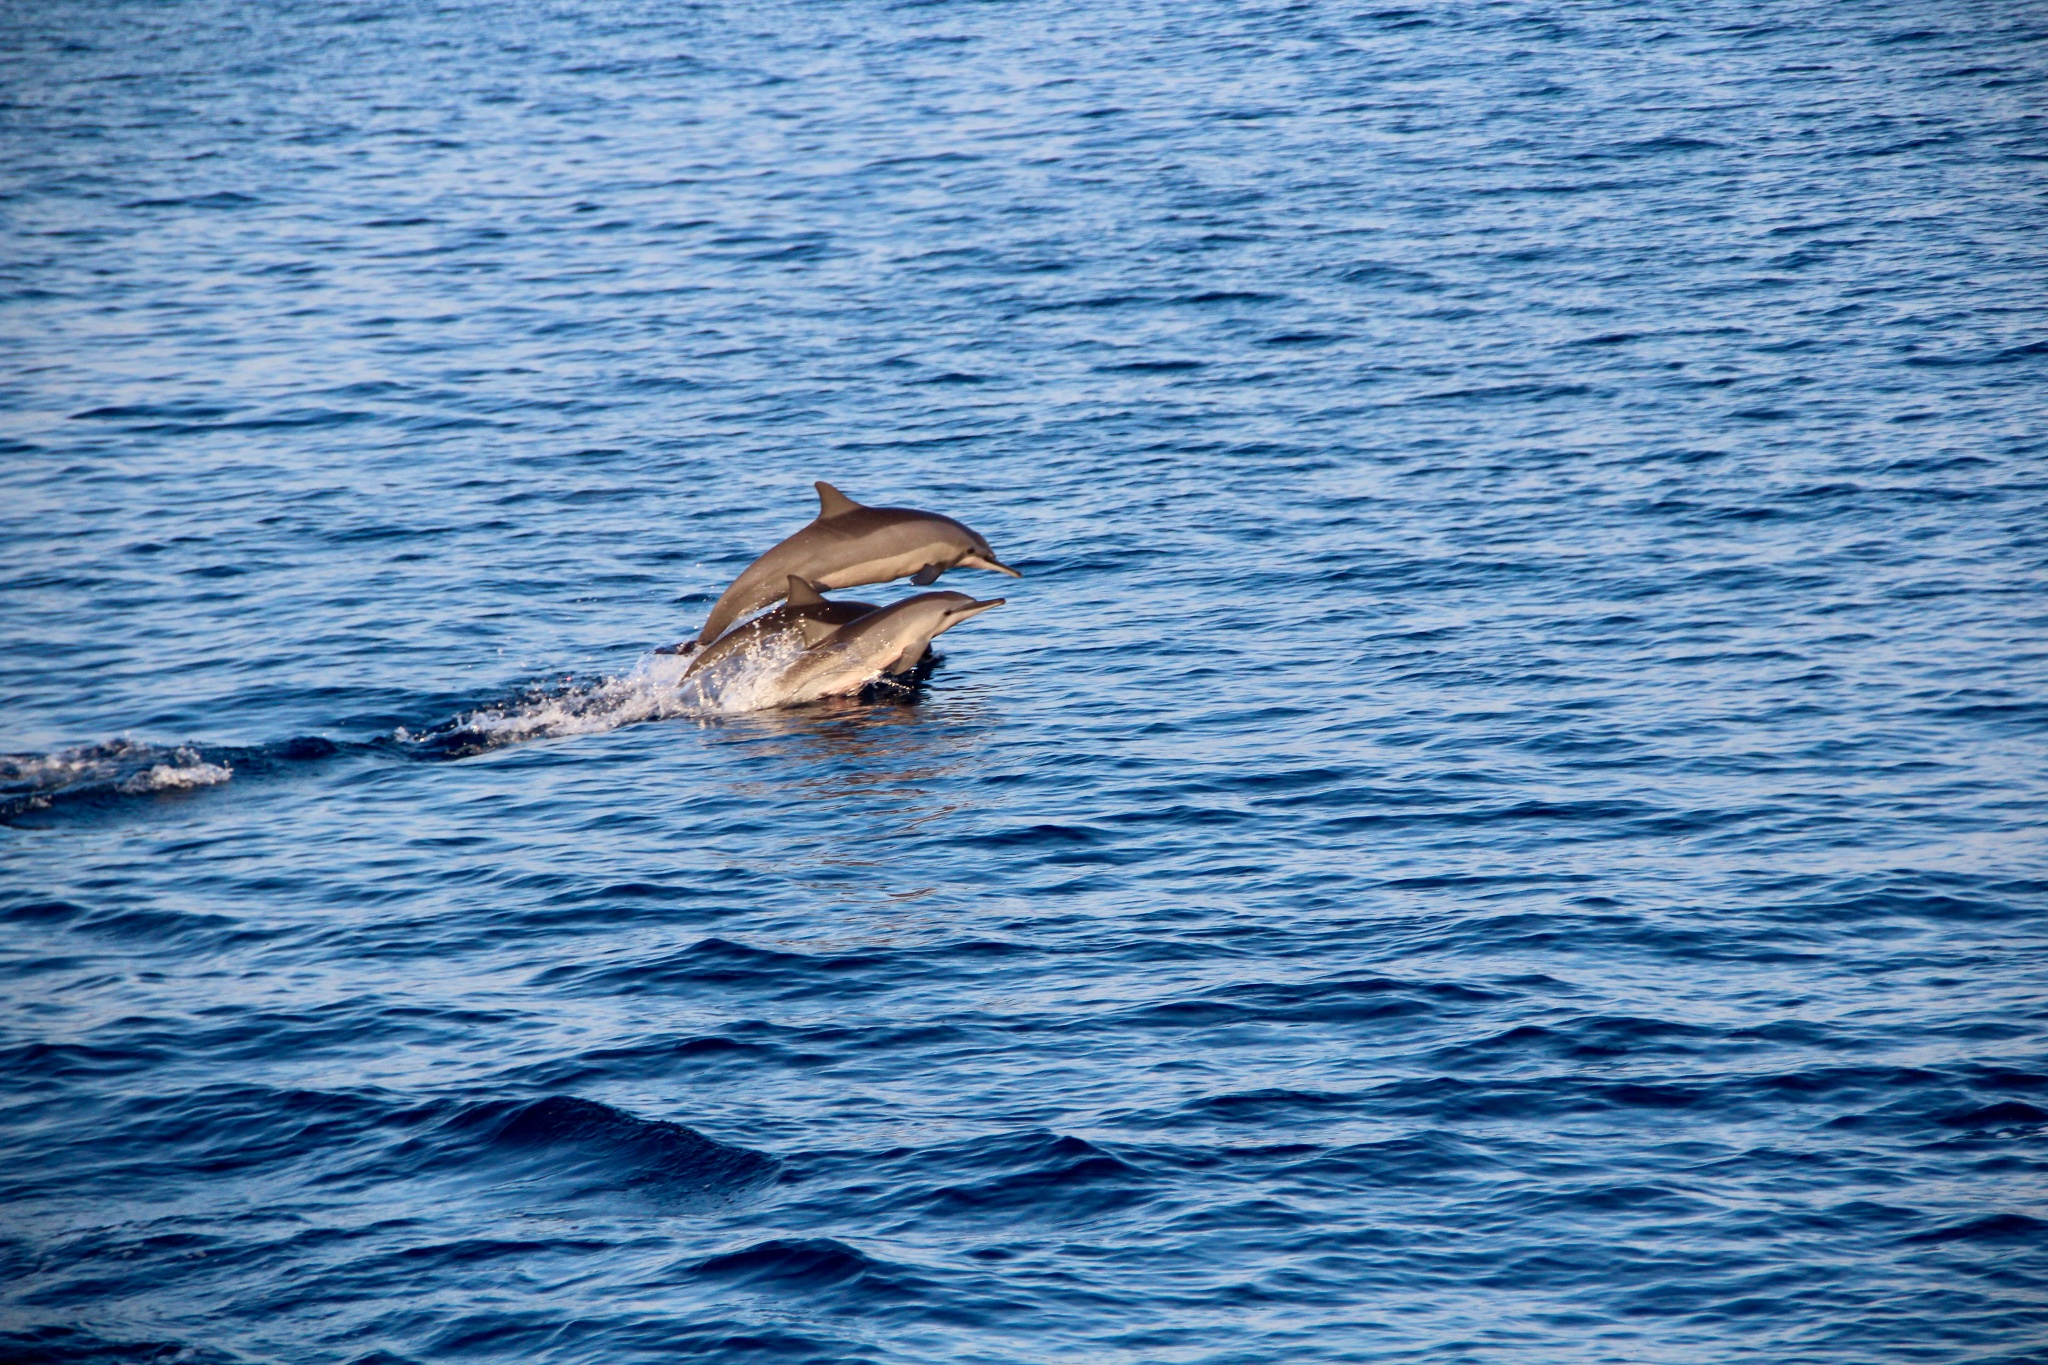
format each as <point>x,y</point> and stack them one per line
<point>1503,823</point>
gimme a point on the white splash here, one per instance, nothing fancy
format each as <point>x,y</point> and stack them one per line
<point>189,772</point>
<point>655,690</point>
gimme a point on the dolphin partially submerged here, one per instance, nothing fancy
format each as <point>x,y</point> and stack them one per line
<point>841,660</point>
<point>784,624</point>
<point>848,545</point>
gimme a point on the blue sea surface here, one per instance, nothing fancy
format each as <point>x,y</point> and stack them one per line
<point>1503,823</point>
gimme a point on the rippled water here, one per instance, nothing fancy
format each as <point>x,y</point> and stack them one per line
<point>1503,822</point>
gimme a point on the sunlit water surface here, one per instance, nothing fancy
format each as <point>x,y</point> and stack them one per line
<point>1503,823</point>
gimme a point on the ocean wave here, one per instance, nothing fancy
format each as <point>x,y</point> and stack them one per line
<point>1504,821</point>
<point>582,1147</point>
<point>553,1151</point>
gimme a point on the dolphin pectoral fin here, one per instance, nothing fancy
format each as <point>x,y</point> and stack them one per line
<point>803,592</point>
<point>906,662</point>
<point>832,502</point>
<point>815,632</point>
<point>927,576</point>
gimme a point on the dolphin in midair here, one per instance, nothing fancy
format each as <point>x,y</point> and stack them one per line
<point>843,659</point>
<point>786,622</point>
<point>849,545</point>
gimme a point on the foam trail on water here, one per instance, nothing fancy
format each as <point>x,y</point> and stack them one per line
<point>655,689</point>
<point>30,782</point>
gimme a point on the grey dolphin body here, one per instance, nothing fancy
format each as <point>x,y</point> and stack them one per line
<point>849,545</point>
<point>785,623</point>
<point>847,658</point>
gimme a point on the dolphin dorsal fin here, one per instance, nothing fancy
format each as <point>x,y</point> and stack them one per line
<point>816,632</point>
<point>832,502</point>
<point>803,593</point>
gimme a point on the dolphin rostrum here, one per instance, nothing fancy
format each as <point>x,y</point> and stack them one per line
<point>786,622</point>
<point>849,545</point>
<point>843,659</point>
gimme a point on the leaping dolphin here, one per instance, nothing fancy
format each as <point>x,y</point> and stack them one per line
<point>842,660</point>
<point>849,545</point>
<point>805,603</point>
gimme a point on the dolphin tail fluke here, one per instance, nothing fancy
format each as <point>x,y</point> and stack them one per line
<point>832,502</point>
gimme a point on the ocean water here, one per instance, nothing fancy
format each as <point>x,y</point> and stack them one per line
<point>1504,821</point>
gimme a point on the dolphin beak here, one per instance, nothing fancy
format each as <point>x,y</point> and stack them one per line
<point>977,608</point>
<point>990,562</point>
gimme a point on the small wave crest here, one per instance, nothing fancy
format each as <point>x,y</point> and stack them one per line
<point>814,1268</point>
<point>563,1148</point>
